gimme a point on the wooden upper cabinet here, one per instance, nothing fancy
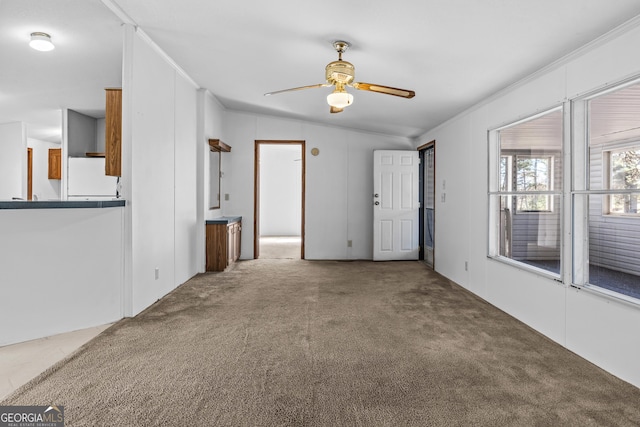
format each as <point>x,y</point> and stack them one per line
<point>55,163</point>
<point>113,133</point>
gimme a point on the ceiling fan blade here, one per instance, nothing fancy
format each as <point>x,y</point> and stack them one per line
<point>335,110</point>
<point>298,88</point>
<point>403,93</point>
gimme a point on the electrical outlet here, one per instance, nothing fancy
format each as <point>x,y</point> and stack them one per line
<point>157,273</point>
<point>349,243</point>
<point>443,197</point>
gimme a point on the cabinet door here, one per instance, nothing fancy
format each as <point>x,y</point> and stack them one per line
<point>238,240</point>
<point>113,133</point>
<point>55,163</point>
<point>230,243</point>
<point>217,242</point>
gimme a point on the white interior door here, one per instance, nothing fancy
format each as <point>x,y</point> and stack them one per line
<point>395,205</point>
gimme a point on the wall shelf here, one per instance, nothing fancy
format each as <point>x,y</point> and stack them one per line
<point>217,145</point>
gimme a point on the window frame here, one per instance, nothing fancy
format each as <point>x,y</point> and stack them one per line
<point>495,193</point>
<point>581,189</point>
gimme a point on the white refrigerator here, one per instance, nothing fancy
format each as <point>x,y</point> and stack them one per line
<point>87,181</point>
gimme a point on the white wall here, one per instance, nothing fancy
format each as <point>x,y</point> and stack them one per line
<point>100,135</point>
<point>81,133</point>
<point>43,187</point>
<point>339,181</point>
<point>280,189</point>
<point>159,174</point>
<point>61,271</point>
<point>13,161</point>
<point>209,126</point>
<point>186,226</point>
<point>212,113</point>
<point>601,329</point>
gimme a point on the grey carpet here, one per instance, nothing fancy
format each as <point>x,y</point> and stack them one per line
<point>290,342</point>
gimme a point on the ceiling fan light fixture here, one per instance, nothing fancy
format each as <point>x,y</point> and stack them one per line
<point>41,41</point>
<point>340,99</point>
<point>341,74</point>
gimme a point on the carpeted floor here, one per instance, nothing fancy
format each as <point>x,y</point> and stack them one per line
<point>290,342</point>
<point>280,247</point>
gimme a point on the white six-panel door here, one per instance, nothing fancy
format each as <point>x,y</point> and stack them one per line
<point>395,205</point>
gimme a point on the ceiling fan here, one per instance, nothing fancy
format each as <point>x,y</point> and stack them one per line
<point>340,74</point>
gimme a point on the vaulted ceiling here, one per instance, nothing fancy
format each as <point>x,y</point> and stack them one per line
<point>452,53</point>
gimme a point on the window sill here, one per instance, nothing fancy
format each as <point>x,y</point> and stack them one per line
<point>607,294</point>
<point>528,268</point>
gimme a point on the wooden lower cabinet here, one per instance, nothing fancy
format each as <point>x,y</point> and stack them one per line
<point>223,244</point>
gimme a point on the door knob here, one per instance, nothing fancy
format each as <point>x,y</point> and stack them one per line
<point>376,203</point>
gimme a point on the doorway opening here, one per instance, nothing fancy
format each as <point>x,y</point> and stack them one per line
<point>427,196</point>
<point>279,199</point>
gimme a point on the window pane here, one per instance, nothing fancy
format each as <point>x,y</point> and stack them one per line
<point>531,155</point>
<point>623,203</point>
<point>540,135</point>
<point>625,169</point>
<point>532,238</point>
<point>613,258</point>
<point>613,118</point>
<point>614,255</point>
<point>524,224</point>
<point>532,173</point>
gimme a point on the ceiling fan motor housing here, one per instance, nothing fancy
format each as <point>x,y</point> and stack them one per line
<point>340,72</point>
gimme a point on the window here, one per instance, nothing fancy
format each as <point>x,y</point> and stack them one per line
<point>624,174</point>
<point>524,198</point>
<point>606,192</point>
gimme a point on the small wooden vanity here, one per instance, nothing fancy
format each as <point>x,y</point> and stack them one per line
<point>222,242</point>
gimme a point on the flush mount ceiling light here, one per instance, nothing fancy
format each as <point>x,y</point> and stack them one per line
<point>41,41</point>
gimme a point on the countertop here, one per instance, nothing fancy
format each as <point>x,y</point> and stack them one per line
<point>224,220</point>
<point>57,204</point>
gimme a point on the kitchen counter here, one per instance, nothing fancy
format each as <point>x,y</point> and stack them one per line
<point>224,220</point>
<point>56,204</point>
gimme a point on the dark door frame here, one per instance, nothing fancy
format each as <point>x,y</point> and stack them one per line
<point>256,193</point>
<point>421,197</point>
<point>29,173</point>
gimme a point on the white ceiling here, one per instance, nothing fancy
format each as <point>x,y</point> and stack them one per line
<point>35,86</point>
<point>453,53</point>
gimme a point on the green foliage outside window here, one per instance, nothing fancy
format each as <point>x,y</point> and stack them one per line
<point>625,175</point>
<point>533,174</point>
